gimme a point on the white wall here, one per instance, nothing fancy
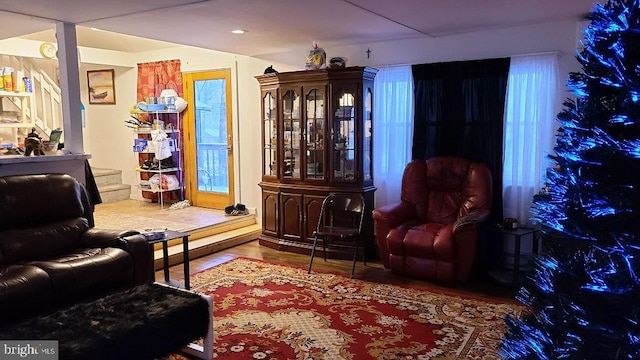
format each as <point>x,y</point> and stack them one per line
<point>557,37</point>
<point>105,135</point>
<point>110,142</point>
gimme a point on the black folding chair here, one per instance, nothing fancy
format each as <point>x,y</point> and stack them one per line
<point>341,221</point>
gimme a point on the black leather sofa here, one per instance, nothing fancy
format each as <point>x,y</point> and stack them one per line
<point>51,254</point>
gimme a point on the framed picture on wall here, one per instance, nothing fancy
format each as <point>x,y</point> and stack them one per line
<point>102,88</point>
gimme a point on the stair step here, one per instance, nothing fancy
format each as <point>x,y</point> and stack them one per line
<point>209,244</point>
<point>225,227</point>
<point>106,176</point>
<point>114,192</point>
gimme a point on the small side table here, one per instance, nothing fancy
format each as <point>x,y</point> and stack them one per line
<point>517,234</point>
<point>168,236</point>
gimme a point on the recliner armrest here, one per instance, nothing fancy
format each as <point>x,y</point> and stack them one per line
<point>137,245</point>
<point>472,219</point>
<point>130,241</point>
<point>395,214</point>
<point>104,237</point>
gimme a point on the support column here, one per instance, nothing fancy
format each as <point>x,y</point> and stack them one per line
<point>70,87</point>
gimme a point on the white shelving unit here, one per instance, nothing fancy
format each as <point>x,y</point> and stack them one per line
<point>172,129</point>
<point>25,99</point>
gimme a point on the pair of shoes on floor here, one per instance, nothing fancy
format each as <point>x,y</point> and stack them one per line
<point>146,165</point>
<point>156,164</point>
<point>237,209</point>
<point>166,163</point>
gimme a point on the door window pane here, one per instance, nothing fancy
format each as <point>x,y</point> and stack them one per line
<point>211,135</point>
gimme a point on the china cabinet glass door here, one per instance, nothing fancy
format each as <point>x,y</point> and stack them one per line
<point>314,134</point>
<point>291,135</point>
<point>270,131</point>
<point>367,154</point>
<point>343,137</point>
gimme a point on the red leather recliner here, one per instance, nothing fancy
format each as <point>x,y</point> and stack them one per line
<point>432,233</point>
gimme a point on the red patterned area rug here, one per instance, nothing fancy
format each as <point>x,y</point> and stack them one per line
<point>272,311</point>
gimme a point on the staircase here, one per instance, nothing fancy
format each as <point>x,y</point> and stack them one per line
<point>45,108</point>
<point>110,186</point>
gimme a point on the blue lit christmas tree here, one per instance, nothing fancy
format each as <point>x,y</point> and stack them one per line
<point>584,290</point>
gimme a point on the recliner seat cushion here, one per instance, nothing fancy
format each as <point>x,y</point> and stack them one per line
<point>429,240</point>
<point>24,289</point>
<point>84,272</point>
<point>395,238</point>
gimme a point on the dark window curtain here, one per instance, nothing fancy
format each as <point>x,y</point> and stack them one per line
<point>459,109</point>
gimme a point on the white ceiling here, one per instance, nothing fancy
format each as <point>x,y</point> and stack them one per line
<point>275,26</point>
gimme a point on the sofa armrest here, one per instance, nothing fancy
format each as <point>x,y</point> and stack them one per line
<point>130,241</point>
<point>470,220</point>
<point>387,218</point>
<point>395,214</point>
<point>94,238</point>
<point>465,237</point>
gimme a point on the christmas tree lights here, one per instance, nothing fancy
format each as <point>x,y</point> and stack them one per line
<point>584,289</point>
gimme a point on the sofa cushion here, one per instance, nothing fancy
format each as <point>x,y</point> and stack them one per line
<point>31,200</point>
<point>83,273</point>
<point>41,242</point>
<point>24,290</point>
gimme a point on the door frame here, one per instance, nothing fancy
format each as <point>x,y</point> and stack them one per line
<point>197,198</point>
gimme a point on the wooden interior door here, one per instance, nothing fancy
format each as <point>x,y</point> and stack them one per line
<point>209,139</point>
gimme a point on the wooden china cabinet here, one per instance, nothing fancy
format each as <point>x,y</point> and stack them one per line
<point>316,139</point>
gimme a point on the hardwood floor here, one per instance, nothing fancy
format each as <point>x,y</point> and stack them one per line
<point>113,215</point>
<point>374,271</point>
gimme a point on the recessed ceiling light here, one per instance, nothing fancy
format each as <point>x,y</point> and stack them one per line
<point>239,31</point>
